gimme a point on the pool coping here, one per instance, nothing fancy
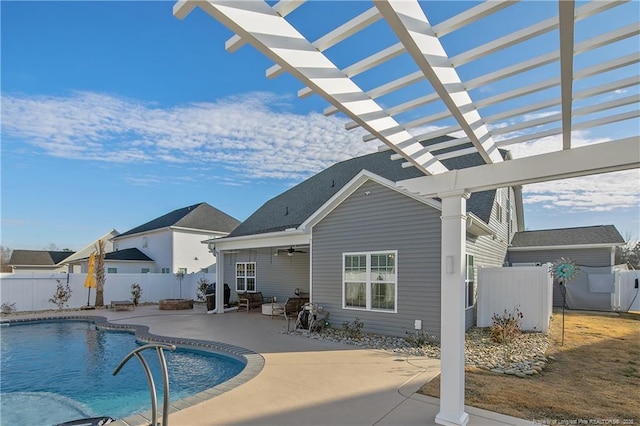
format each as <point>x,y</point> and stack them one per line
<point>254,362</point>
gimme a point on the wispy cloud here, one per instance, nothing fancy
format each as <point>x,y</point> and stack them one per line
<point>597,193</point>
<point>254,135</point>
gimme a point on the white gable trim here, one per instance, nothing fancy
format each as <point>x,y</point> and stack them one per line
<point>565,247</point>
<point>355,183</point>
<point>270,239</point>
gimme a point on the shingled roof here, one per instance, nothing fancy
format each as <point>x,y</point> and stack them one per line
<point>200,216</point>
<point>588,235</point>
<point>293,207</point>
<point>127,254</point>
<point>38,257</point>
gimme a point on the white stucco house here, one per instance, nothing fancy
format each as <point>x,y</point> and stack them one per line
<point>170,243</point>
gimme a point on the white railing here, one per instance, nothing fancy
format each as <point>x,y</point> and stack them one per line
<point>31,292</point>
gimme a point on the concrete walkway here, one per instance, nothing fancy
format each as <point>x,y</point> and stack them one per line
<point>303,381</point>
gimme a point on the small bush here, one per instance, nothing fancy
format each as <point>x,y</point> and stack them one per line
<point>201,290</point>
<point>419,338</point>
<point>353,330</point>
<point>8,308</point>
<point>506,327</point>
<point>62,295</point>
<point>136,292</point>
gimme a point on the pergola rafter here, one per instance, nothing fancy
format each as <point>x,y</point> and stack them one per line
<point>562,86</point>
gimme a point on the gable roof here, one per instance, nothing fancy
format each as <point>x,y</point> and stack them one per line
<point>588,235</point>
<point>127,254</point>
<point>84,252</point>
<point>291,208</point>
<point>200,216</point>
<point>38,257</point>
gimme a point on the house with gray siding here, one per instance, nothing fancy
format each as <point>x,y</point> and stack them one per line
<point>592,248</point>
<point>362,246</point>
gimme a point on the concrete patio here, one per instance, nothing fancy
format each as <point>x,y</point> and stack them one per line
<point>304,381</point>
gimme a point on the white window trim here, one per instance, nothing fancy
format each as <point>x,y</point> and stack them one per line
<point>467,281</point>
<point>255,277</point>
<point>369,281</point>
<point>499,206</point>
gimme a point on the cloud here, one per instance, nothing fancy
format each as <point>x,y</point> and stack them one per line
<point>253,135</point>
<point>596,193</point>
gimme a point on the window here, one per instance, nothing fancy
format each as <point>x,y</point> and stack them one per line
<point>370,281</point>
<point>499,207</point>
<point>112,270</point>
<point>205,270</point>
<point>246,276</point>
<point>166,270</point>
<point>182,271</point>
<point>144,270</point>
<point>145,242</point>
<point>469,283</point>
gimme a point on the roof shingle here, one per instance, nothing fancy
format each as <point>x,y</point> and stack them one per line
<point>198,216</point>
<point>293,207</point>
<point>38,257</point>
<point>600,234</point>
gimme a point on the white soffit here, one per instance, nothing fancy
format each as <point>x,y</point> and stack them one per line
<point>527,76</point>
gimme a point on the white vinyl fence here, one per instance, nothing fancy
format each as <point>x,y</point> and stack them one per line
<point>625,297</point>
<point>528,289</point>
<point>31,292</point>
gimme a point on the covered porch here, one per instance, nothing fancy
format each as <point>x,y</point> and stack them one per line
<point>276,265</point>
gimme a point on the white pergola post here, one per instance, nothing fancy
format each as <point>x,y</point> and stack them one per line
<point>219,282</point>
<point>452,317</point>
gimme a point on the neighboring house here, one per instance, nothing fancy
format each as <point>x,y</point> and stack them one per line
<point>39,261</point>
<point>592,248</point>
<point>171,243</point>
<point>363,247</point>
<point>75,261</point>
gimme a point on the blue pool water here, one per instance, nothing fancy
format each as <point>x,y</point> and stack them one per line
<point>53,372</point>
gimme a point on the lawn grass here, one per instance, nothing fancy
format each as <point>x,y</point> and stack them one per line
<point>595,377</point>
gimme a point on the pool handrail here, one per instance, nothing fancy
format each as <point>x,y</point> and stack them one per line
<point>152,387</point>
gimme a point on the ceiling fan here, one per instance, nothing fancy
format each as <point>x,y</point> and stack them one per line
<point>290,251</point>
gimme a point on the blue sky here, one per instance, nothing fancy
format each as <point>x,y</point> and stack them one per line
<point>114,113</point>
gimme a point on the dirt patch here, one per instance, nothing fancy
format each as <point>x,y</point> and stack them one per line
<point>593,379</point>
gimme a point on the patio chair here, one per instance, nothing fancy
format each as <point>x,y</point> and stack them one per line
<point>294,305</point>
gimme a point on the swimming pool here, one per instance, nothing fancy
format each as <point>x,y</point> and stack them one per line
<point>62,370</point>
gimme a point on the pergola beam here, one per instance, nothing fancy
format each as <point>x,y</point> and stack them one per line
<point>566,11</point>
<point>623,154</point>
<point>339,34</point>
<point>283,8</point>
<point>259,25</point>
<point>411,26</point>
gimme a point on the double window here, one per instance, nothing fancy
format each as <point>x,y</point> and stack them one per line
<point>469,283</point>
<point>246,276</point>
<point>370,281</point>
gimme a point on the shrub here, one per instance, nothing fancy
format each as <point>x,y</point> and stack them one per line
<point>353,329</point>
<point>62,295</point>
<point>136,292</point>
<point>8,308</point>
<point>418,338</point>
<point>201,290</point>
<point>506,327</point>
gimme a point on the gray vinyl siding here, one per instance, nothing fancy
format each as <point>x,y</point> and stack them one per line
<point>490,250</point>
<point>275,275</point>
<point>382,220</point>
<point>582,257</point>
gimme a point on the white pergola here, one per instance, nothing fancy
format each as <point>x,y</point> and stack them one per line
<point>430,98</point>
